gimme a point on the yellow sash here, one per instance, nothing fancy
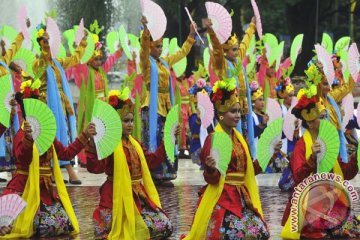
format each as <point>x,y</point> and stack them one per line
<point>23,226</point>
<point>127,222</point>
<point>213,193</point>
<point>286,231</point>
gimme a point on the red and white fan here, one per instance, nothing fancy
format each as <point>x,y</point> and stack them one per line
<point>347,105</point>
<point>11,206</point>
<point>289,122</point>
<point>257,17</point>
<point>206,109</point>
<point>55,37</point>
<point>221,20</point>
<point>325,59</point>
<point>156,18</point>
<point>273,109</point>
<point>354,61</point>
<point>22,18</point>
<point>79,32</point>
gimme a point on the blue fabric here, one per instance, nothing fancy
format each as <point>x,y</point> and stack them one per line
<point>195,144</point>
<point>343,151</point>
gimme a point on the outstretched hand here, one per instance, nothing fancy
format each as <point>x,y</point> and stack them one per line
<point>144,21</point>
<point>90,130</point>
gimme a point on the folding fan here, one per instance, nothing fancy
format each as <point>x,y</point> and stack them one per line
<point>35,47</point>
<point>345,67</point>
<point>206,58</point>
<point>79,32</point>
<point>279,54</point>
<point>348,105</point>
<point>327,43</point>
<point>178,102</point>
<point>11,205</point>
<point>289,123</point>
<point>24,58</point>
<point>325,58</point>
<point>125,42</point>
<point>22,18</point>
<point>156,18</point>
<point>172,121</point>
<point>250,66</point>
<point>342,44</point>
<point>54,34</point>
<point>295,48</point>
<point>137,118</point>
<point>221,149</point>
<point>270,44</point>
<point>328,138</point>
<point>43,123</point>
<point>89,50</point>
<point>252,45</point>
<point>221,20</point>
<point>69,36</point>
<point>257,17</point>
<point>267,142</point>
<point>273,109</point>
<point>165,48</point>
<point>134,41</point>
<point>108,128</point>
<point>354,61</point>
<point>112,41</point>
<point>206,109</point>
<point>62,52</point>
<point>5,97</point>
<point>180,66</point>
<point>193,23</point>
<point>8,34</point>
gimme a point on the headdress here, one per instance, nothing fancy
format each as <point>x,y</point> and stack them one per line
<point>120,100</point>
<point>41,29</point>
<point>199,86</point>
<point>232,41</point>
<point>95,30</point>
<point>284,88</point>
<point>256,91</point>
<point>224,94</point>
<point>28,89</point>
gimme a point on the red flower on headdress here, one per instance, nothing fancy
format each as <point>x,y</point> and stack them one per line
<point>113,101</point>
<point>27,92</point>
<point>304,101</point>
<point>36,92</point>
<point>217,96</point>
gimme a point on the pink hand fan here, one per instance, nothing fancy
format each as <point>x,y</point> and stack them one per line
<point>289,122</point>
<point>193,23</point>
<point>257,17</point>
<point>348,106</point>
<point>273,109</point>
<point>80,32</point>
<point>325,58</point>
<point>55,38</point>
<point>22,21</point>
<point>353,61</point>
<point>221,20</point>
<point>206,109</point>
<point>156,18</point>
<point>11,206</point>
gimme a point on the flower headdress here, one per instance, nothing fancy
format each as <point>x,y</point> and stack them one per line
<point>284,88</point>
<point>232,41</point>
<point>120,100</point>
<point>256,90</point>
<point>224,94</point>
<point>30,89</point>
<point>199,86</point>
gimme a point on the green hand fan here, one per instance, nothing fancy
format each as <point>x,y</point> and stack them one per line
<point>6,93</point>
<point>69,36</point>
<point>279,53</point>
<point>43,123</point>
<point>267,142</point>
<point>89,50</point>
<point>251,65</point>
<point>271,44</point>
<point>209,41</point>
<point>328,138</point>
<point>250,50</point>
<point>125,42</point>
<point>8,34</point>
<point>24,58</point>
<point>342,44</point>
<point>134,41</point>
<point>35,45</point>
<point>178,102</point>
<point>137,118</point>
<point>108,128</point>
<point>165,48</point>
<point>221,149</point>
<point>180,66</point>
<point>172,121</point>
<point>206,59</point>
<point>295,47</point>
<point>112,41</point>
<point>327,43</point>
<point>62,52</point>
<point>345,66</point>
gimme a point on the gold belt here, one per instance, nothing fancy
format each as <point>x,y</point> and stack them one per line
<point>195,136</point>
<point>160,89</point>
<point>235,179</point>
<point>44,172</point>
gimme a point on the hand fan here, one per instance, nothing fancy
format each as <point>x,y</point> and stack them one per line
<point>221,149</point>
<point>289,123</point>
<point>112,41</point>
<point>295,48</point>
<point>348,105</point>
<point>193,23</point>
<point>108,128</point>
<point>22,21</point>
<point>54,34</point>
<point>250,66</point>
<point>165,48</point>
<point>156,18</point>
<point>267,142</point>
<point>327,43</point>
<point>354,61</point>
<point>79,32</point>
<point>125,42</point>
<point>342,44</point>
<point>35,47</point>
<point>69,36</point>
<point>11,207</point>
<point>279,54</point>
<point>328,138</point>
<point>137,117</point>
<point>89,50</point>
<point>345,67</point>
<point>221,20</point>
<point>178,102</point>
<point>271,44</point>
<point>273,109</point>
<point>180,66</point>
<point>8,35</point>
<point>206,109</point>
<point>25,58</point>
<point>206,59</point>
<point>257,17</point>
<point>6,94</point>
<point>42,122</point>
<point>326,61</point>
<point>62,52</point>
<point>172,121</point>
<point>252,45</point>
<point>134,41</point>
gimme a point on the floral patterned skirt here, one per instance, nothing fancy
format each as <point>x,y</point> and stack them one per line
<point>51,220</point>
<point>224,224</point>
<point>158,223</point>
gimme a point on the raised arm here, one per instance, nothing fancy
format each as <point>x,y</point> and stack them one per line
<point>145,52</point>
<point>75,58</point>
<point>15,46</point>
<point>245,42</point>
<point>111,60</point>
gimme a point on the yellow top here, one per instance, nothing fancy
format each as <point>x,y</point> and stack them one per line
<point>10,53</point>
<point>41,63</point>
<point>164,103</point>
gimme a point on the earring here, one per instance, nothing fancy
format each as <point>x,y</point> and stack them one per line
<point>221,118</point>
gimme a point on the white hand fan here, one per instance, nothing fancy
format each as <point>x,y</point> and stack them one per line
<point>354,61</point>
<point>79,32</point>
<point>206,109</point>
<point>257,17</point>
<point>156,18</point>
<point>193,23</point>
<point>221,20</point>
<point>55,37</point>
<point>22,22</point>
<point>273,109</point>
<point>289,123</point>
<point>11,206</point>
<point>325,58</point>
<point>348,105</point>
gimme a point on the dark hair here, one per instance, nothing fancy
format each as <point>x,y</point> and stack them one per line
<point>19,100</point>
<point>297,113</point>
<point>40,38</point>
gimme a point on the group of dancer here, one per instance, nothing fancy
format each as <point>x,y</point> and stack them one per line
<point>229,206</point>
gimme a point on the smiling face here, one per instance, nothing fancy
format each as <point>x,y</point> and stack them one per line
<point>127,124</point>
<point>232,117</point>
<point>232,53</point>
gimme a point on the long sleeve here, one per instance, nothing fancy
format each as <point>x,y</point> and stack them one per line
<point>210,177</point>
<point>23,148</point>
<point>111,60</point>
<point>145,55</point>
<point>349,169</point>
<point>245,42</point>
<point>10,53</point>
<point>339,93</point>
<point>69,152</point>
<point>257,168</point>
<point>93,164</point>
<point>155,159</point>
<point>183,52</point>
<point>217,56</point>
<point>75,58</point>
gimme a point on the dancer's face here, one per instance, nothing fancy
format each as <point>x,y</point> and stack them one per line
<point>156,51</point>
<point>259,103</point>
<point>44,42</point>
<point>288,98</point>
<point>232,117</point>
<point>127,124</point>
<point>96,62</point>
<point>232,53</point>
<point>324,87</point>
